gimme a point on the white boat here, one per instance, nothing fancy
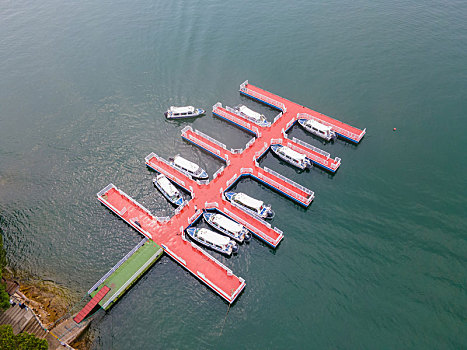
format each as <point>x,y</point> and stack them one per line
<point>213,240</point>
<point>227,226</point>
<point>183,112</point>
<point>250,205</point>
<point>318,129</point>
<point>251,115</point>
<point>291,156</point>
<point>194,170</point>
<point>169,191</point>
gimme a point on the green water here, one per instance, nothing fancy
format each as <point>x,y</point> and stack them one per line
<point>377,261</point>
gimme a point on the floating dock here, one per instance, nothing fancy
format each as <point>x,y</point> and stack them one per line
<point>169,233</point>
<point>127,271</point>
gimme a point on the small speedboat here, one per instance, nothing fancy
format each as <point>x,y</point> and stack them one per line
<point>318,129</point>
<point>250,205</point>
<point>290,156</point>
<point>169,191</point>
<point>194,170</point>
<point>213,240</point>
<point>227,226</point>
<point>183,112</point>
<point>251,115</point>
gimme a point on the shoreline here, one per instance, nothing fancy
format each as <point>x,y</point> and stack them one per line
<point>49,301</point>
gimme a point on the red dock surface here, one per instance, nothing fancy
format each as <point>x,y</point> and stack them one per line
<point>343,130</point>
<point>91,305</point>
<point>169,232</point>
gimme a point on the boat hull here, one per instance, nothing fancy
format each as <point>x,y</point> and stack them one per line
<point>266,212</point>
<point>302,166</point>
<point>331,137</point>
<point>246,236</point>
<point>191,232</point>
<point>197,113</point>
<point>178,201</point>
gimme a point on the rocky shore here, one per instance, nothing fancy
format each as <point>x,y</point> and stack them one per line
<point>49,301</point>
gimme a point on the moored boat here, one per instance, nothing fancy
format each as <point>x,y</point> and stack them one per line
<point>290,156</point>
<point>169,191</point>
<point>213,240</point>
<point>250,205</point>
<point>251,115</point>
<point>183,112</point>
<point>227,226</point>
<point>194,170</point>
<point>318,129</point>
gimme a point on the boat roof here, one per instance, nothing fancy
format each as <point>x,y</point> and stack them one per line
<point>226,223</point>
<point>185,109</point>
<point>318,125</point>
<point>249,201</point>
<point>166,185</point>
<point>186,164</point>
<point>213,237</point>
<point>292,154</point>
<point>252,114</point>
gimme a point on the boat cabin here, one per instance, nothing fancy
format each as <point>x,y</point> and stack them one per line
<point>181,111</point>
<point>227,224</point>
<point>249,202</point>
<point>219,241</point>
<point>321,130</point>
<point>167,186</point>
<point>186,164</point>
<point>292,155</point>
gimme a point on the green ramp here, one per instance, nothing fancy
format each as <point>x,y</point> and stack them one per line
<point>128,273</point>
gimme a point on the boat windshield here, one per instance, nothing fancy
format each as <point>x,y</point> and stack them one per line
<point>167,186</point>
<point>248,201</point>
<point>250,113</point>
<point>186,164</point>
<point>227,224</point>
<point>298,157</point>
<point>212,237</point>
<point>180,110</point>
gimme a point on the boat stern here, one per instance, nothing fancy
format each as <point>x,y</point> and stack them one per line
<point>246,234</point>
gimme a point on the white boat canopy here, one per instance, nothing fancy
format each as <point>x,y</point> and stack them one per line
<point>166,185</point>
<point>180,110</point>
<point>249,202</point>
<point>252,114</point>
<point>317,125</point>
<point>185,164</point>
<point>227,224</point>
<point>298,157</point>
<point>213,237</point>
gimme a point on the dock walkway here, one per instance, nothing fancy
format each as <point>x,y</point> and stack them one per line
<point>169,233</point>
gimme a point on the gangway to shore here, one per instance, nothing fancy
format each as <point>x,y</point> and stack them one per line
<point>86,310</point>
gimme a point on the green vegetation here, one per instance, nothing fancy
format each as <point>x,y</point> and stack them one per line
<point>22,341</point>
<point>4,298</point>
